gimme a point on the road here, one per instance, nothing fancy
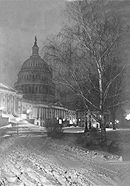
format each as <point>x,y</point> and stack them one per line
<point>31,129</point>
<point>22,129</point>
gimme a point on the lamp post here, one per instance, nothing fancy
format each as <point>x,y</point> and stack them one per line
<point>28,112</point>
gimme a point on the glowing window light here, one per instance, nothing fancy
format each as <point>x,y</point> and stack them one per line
<point>117,121</point>
<point>1,108</point>
<point>127,117</point>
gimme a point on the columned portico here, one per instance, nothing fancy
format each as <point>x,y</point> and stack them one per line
<point>9,100</point>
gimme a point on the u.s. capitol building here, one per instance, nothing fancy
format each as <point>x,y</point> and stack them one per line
<point>34,92</point>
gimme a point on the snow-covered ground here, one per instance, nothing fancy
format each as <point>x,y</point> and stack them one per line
<point>36,161</point>
<point>30,160</point>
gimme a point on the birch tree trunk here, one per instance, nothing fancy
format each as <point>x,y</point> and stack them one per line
<point>102,117</point>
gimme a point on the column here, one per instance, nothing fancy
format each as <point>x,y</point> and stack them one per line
<point>14,103</point>
<point>41,116</point>
<point>43,113</point>
<point>5,103</point>
<point>53,113</point>
<point>44,116</point>
<point>20,105</point>
<point>41,89</point>
<point>1,99</point>
<point>58,113</point>
<point>37,112</point>
<point>27,89</point>
<point>63,114</point>
<point>17,105</point>
<point>11,104</point>
<point>31,89</point>
<point>38,118</point>
<point>8,104</point>
<point>18,109</point>
<point>47,113</point>
<point>10,100</point>
<point>50,113</point>
<point>38,89</point>
<point>35,89</point>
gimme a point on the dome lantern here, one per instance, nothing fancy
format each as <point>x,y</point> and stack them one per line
<point>35,48</point>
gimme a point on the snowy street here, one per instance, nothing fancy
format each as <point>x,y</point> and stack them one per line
<point>35,161</point>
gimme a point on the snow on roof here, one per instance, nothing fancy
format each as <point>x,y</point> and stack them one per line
<point>58,103</point>
<point>4,87</point>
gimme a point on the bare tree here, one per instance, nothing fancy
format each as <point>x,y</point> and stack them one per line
<point>84,52</point>
<point>99,32</point>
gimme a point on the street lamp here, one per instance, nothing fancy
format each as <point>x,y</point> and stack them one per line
<point>28,112</point>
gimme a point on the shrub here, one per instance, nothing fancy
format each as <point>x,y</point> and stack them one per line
<point>113,147</point>
<point>53,128</point>
<point>80,139</point>
<point>90,138</point>
<point>93,137</point>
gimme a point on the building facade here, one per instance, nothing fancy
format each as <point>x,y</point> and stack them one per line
<point>39,112</point>
<point>12,103</point>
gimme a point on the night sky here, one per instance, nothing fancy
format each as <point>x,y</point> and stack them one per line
<point>21,21</point>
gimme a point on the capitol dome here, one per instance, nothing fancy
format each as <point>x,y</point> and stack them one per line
<point>35,78</point>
